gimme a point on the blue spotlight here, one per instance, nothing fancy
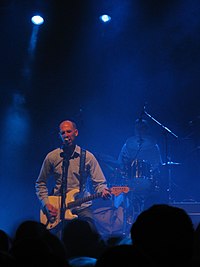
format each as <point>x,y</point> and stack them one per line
<point>105,18</point>
<point>37,20</point>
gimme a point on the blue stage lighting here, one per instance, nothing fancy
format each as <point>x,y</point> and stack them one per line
<point>105,18</point>
<point>37,20</point>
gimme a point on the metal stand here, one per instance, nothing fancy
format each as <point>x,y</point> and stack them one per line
<point>125,207</point>
<point>169,184</point>
<point>133,206</point>
<point>169,171</point>
<point>65,166</point>
<point>168,158</point>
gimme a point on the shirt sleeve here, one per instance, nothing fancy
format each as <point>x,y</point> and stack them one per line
<point>41,182</point>
<point>98,179</point>
<point>123,157</point>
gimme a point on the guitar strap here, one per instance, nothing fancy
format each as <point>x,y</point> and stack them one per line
<point>82,171</point>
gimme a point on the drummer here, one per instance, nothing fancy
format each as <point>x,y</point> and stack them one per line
<point>143,150</point>
<point>142,146</point>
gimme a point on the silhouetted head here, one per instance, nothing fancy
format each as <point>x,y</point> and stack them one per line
<point>164,233</point>
<point>141,127</point>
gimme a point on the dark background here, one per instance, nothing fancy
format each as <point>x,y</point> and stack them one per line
<point>101,75</point>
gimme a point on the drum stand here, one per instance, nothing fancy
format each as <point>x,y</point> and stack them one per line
<point>128,218</point>
<point>169,189</point>
<point>125,207</point>
<point>133,205</point>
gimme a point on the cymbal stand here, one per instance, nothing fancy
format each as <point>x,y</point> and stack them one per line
<point>169,170</point>
<point>168,158</point>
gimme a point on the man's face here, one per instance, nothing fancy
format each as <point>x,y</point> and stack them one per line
<point>68,133</point>
<point>141,129</point>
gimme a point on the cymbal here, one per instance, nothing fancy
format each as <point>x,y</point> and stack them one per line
<point>171,163</point>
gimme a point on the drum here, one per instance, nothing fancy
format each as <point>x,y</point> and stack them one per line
<point>141,176</point>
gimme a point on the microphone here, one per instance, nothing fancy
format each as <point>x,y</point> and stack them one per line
<point>65,143</point>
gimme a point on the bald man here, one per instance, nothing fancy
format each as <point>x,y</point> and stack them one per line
<point>64,165</point>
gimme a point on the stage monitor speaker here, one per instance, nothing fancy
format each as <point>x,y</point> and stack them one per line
<point>192,209</point>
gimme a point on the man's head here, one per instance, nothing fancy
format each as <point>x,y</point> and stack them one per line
<point>68,132</point>
<point>164,233</point>
<point>141,127</point>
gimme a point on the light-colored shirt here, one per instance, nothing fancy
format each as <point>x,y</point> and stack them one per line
<point>52,168</point>
<point>146,150</point>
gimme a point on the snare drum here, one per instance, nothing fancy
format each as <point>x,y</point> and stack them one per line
<point>141,175</point>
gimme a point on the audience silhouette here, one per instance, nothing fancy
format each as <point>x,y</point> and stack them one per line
<point>82,240</point>
<point>164,234</point>
<point>5,241</point>
<point>5,245</point>
<point>34,245</point>
<point>161,235</point>
<point>196,251</point>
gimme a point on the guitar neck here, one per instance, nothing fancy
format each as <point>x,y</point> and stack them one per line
<point>78,202</point>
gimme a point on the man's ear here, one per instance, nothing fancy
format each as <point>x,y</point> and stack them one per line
<point>76,132</point>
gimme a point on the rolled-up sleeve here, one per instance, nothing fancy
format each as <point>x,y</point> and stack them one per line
<point>96,173</point>
<point>41,182</point>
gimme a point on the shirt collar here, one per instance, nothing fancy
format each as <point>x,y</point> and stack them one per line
<point>76,153</point>
<point>77,150</point>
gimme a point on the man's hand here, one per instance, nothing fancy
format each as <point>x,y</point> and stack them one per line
<point>51,212</point>
<point>106,193</point>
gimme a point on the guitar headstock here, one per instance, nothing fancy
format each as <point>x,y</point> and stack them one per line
<point>117,190</point>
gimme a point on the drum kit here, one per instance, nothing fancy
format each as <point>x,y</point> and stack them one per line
<point>141,179</point>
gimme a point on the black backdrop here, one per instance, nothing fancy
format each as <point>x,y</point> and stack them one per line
<point>100,75</point>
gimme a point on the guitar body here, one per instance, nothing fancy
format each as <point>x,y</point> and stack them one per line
<point>56,202</point>
<point>70,202</point>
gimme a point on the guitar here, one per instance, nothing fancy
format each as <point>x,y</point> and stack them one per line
<point>71,202</point>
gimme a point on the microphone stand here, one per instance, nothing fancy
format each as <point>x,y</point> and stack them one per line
<point>65,166</point>
<point>168,158</point>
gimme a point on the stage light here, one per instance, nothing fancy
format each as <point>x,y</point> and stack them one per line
<point>105,18</point>
<point>37,20</point>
